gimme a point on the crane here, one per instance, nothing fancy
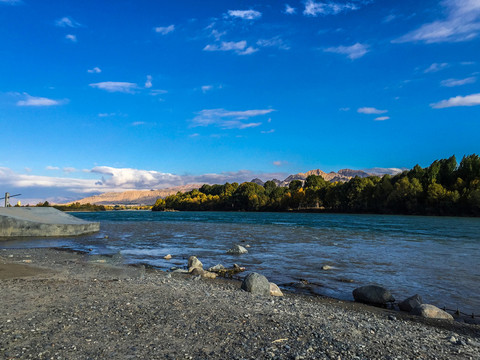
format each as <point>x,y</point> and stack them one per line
<point>7,198</point>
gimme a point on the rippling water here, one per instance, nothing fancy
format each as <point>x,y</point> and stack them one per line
<point>436,257</point>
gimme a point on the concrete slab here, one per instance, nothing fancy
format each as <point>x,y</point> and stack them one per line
<point>38,221</point>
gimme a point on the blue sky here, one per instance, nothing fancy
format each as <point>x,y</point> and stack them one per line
<point>102,96</point>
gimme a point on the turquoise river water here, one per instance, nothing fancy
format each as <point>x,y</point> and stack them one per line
<point>436,257</point>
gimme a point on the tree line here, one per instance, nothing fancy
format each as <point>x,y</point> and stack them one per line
<point>443,188</point>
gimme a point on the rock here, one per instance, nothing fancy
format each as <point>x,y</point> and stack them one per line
<point>431,312</point>
<point>209,275</point>
<point>194,263</point>
<point>204,274</point>
<point>411,303</point>
<point>217,267</point>
<point>373,294</point>
<point>256,284</point>
<point>237,250</point>
<point>275,290</point>
<point>326,267</point>
<point>167,257</point>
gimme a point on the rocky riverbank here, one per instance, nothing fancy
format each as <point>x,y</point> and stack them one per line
<point>61,305</point>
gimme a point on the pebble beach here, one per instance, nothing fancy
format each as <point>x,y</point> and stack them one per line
<point>66,305</point>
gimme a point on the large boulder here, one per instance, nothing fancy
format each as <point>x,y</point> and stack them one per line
<point>431,312</point>
<point>194,263</point>
<point>373,295</point>
<point>256,284</point>
<point>237,250</point>
<point>411,303</point>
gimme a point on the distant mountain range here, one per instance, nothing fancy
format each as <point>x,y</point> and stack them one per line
<point>148,197</point>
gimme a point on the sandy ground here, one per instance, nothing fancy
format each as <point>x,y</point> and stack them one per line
<point>62,305</point>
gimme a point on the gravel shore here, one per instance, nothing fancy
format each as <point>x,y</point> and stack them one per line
<point>62,305</point>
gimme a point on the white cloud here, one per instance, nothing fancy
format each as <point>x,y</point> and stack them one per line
<point>138,123</point>
<point>95,70</point>
<point>314,8</point>
<point>462,23</point>
<point>164,30</point>
<point>157,92</point>
<point>436,67</point>
<point>116,86</point>
<point>245,14</point>
<point>273,42</point>
<point>469,100</point>
<point>148,83</point>
<point>72,38</point>
<point>69,170</point>
<point>289,10</point>
<point>271,131</point>
<point>279,163</point>
<point>37,101</point>
<point>67,22</point>
<point>371,110</point>
<point>107,179</point>
<point>228,119</point>
<point>106,114</point>
<point>458,82</point>
<point>239,47</point>
<point>52,168</point>
<point>382,118</point>
<point>206,88</point>
<point>353,52</point>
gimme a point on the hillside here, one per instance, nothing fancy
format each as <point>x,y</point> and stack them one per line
<point>135,197</point>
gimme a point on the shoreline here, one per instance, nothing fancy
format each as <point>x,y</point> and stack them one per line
<point>73,305</point>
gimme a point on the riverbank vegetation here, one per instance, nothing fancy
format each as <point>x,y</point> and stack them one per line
<point>443,188</point>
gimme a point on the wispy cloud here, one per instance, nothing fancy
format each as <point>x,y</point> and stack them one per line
<point>206,88</point>
<point>371,110</point>
<point>67,22</point>
<point>469,100</point>
<point>276,42</point>
<point>138,123</point>
<point>71,37</point>
<point>245,14</point>
<point>239,47</point>
<point>148,82</point>
<point>95,70</point>
<point>116,86</point>
<point>461,23</point>
<point>69,170</point>
<point>382,118</point>
<point>316,8</point>
<point>52,168</point>
<point>458,82</point>
<point>353,52</point>
<point>289,10</point>
<point>11,2</point>
<point>271,131</point>
<point>37,101</point>
<point>436,67</point>
<point>164,30</point>
<point>279,163</point>
<point>226,119</point>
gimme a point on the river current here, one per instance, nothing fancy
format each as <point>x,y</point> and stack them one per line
<point>436,257</point>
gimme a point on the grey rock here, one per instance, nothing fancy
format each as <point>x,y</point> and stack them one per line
<point>431,312</point>
<point>237,250</point>
<point>216,267</point>
<point>256,284</point>
<point>411,303</point>
<point>194,263</point>
<point>373,294</point>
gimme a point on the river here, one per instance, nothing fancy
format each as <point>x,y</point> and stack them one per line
<point>436,257</point>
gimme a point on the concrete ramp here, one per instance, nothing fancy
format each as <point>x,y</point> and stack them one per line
<point>42,221</point>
